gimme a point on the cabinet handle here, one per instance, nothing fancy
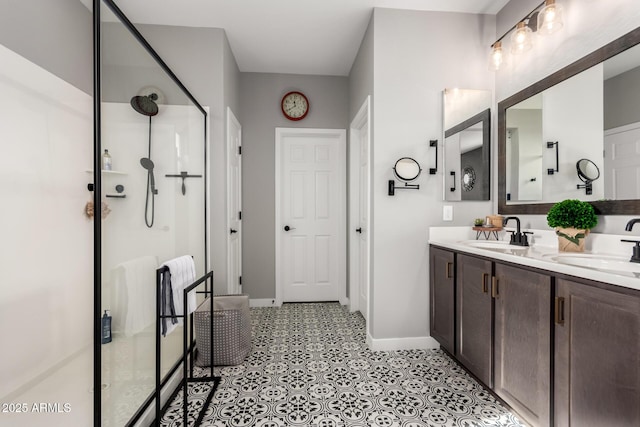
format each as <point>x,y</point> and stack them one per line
<point>449,274</point>
<point>559,311</point>
<point>485,287</point>
<point>494,287</point>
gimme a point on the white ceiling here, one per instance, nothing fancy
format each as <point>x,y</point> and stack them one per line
<point>288,36</point>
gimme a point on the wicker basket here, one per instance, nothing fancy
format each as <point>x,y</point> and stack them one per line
<point>231,330</point>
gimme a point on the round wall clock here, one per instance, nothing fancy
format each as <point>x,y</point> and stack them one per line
<point>295,106</point>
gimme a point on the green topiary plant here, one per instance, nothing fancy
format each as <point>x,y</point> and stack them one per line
<point>572,214</point>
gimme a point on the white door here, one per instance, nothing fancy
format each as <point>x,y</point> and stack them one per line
<point>622,163</point>
<point>234,204</point>
<point>310,215</point>
<point>359,229</point>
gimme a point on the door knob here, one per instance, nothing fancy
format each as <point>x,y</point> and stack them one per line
<point>359,230</point>
<point>233,231</point>
<point>287,228</point>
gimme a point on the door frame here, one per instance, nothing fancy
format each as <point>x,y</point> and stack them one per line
<point>232,120</point>
<point>361,121</point>
<point>341,135</point>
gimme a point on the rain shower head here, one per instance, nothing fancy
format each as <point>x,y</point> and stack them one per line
<point>145,104</point>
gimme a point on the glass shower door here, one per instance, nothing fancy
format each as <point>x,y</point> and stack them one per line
<point>153,206</point>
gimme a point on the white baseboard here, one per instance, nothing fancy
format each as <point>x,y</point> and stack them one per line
<point>262,302</point>
<point>271,302</point>
<point>411,343</point>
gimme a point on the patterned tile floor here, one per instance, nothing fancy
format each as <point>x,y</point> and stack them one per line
<point>310,366</point>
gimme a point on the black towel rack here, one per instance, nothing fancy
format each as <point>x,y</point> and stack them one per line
<point>187,349</point>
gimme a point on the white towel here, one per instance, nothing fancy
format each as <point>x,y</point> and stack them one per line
<point>183,274</point>
<point>134,295</point>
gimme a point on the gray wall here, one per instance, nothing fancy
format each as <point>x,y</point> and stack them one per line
<point>361,74</point>
<point>127,67</point>
<point>622,99</point>
<point>231,84</point>
<point>416,56</point>
<point>56,35</point>
<point>260,96</point>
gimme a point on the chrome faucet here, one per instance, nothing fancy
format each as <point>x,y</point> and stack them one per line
<point>635,257</point>
<point>517,238</point>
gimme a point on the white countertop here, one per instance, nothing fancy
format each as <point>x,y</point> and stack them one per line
<point>540,254</point>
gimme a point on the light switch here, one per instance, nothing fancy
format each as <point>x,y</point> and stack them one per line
<point>447,213</point>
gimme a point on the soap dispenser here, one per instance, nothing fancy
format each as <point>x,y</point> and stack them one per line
<point>106,328</point>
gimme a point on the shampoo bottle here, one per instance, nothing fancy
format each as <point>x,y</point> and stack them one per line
<point>106,328</point>
<point>106,161</point>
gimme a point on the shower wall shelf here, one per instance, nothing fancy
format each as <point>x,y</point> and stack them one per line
<point>118,194</point>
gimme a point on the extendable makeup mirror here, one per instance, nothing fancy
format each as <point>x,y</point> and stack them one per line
<point>406,169</point>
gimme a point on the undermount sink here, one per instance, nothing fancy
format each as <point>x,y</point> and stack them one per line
<point>613,264</point>
<point>494,245</point>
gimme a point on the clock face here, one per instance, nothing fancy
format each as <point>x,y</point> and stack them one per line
<point>295,106</point>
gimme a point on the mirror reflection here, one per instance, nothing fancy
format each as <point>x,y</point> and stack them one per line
<point>590,120</point>
<point>587,172</point>
<point>467,144</point>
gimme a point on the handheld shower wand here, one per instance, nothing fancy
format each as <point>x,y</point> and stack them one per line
<point>147,163</point>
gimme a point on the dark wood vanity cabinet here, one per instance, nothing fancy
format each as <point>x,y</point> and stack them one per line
<point>597,355</point>
<point>525,333</point>
<point>522,341</point>
<point>474,315</point>
<point>442,303</point>
<point>503,328</point>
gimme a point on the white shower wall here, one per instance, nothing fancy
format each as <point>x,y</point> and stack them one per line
<point>177,136</point>
<point>46,256</point>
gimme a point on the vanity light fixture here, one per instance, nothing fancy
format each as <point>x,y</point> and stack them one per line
<point>546,18</point>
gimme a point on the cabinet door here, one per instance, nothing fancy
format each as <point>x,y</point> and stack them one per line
<point>597,357</point>
<point>441,289</point>
<point>522,342</point>
<point>474,316</point>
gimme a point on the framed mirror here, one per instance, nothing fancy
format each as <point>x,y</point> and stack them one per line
<point>467,144</point>
<point>587,110</point>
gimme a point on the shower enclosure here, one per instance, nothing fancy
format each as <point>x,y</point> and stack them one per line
<point>155,132</point>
